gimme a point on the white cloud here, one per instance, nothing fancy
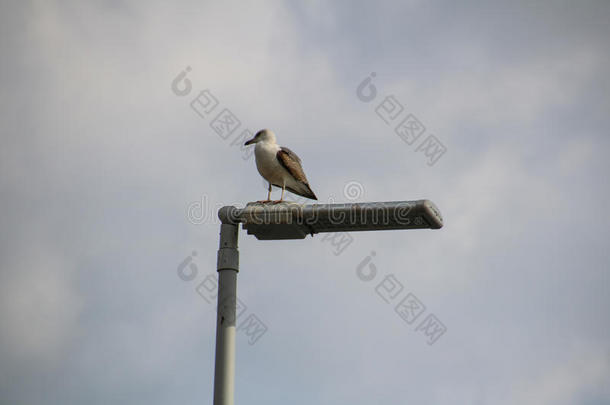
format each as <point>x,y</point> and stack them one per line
<point>567,381</point>
<point>39,305</point>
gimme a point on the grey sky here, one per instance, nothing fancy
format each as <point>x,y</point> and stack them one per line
<point>100,161</point>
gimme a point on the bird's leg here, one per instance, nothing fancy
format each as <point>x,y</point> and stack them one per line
<point>268,196</point>
<point>282,197</point>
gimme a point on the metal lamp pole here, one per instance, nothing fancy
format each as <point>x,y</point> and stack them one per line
<point>227,266</point>
<point>293,221</point>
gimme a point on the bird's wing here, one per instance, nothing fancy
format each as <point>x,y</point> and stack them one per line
<point>291,162</point>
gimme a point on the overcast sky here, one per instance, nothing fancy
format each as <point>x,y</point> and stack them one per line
<point>110,182</point>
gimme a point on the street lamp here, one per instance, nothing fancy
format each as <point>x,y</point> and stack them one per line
<point>293,221</point>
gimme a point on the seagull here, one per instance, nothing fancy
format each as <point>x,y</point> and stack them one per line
<point>280,166</point>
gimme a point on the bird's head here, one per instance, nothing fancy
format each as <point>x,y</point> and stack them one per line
<point>264,135</point>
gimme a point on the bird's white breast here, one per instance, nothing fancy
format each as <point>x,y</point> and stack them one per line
<point>267,164</point>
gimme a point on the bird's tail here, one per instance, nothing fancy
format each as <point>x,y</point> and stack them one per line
<point>310,193</point>
<point>304,191</point>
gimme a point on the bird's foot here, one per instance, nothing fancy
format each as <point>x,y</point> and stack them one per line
<point>264,201</point>
<point>277,201</point>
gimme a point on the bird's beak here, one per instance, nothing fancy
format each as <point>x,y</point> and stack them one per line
<point>249,142</point>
